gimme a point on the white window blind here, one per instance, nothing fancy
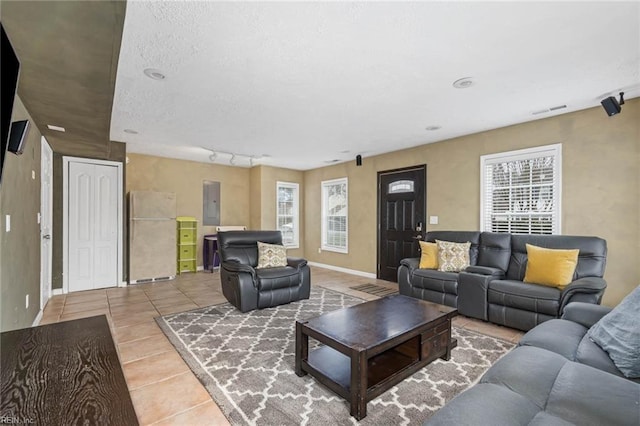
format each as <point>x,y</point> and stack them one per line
<point>334,215</point>
<point>288,213</point>
<point>520,191</point>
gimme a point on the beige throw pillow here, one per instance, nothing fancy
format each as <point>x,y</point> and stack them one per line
<point>453,257</point>
<point>271,255</point>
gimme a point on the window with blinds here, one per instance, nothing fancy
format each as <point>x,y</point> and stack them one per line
<point>520,191</point>
<point>287,213</point>
<point>334,215</point>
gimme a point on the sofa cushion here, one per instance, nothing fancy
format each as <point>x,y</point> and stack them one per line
<point>530,297</point>
<point>445,282</point>
<point>271,255</point>
<point>569,339</point>
<point>618,333</point>
<point>275,278</point>
<point>452,257</point>
<point>550,267</point>
<point>494,250</point>
<point>428,255</point>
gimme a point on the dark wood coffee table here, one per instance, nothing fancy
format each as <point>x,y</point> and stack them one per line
<point>371,347</point>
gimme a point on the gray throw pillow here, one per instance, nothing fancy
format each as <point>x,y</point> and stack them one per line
<point>618,333</point>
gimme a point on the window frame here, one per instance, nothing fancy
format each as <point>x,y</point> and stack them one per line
<point>324,186</point>
<point>296,209</point>
<point>553,150</point>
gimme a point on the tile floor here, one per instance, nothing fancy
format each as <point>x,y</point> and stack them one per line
<point>162,387</point>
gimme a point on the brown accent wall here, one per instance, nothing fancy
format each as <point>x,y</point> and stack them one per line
<point>20,247</point>
<point>600,187</point>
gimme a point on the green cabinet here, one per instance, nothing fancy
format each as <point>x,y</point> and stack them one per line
<point>187,237</point>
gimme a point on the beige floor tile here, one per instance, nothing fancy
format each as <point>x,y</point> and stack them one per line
<point>132,308</point>
<point>136,332</point>
<point>83,314</point>
<point>207,414</point>
<point>85,297</point>
<point>168,398</point>
<point>125,319</point>
<point>180,299</point>
<point>128,299</point>
<point>137,349</point>
<point>153,369</point>
<point>81,307</point>
<point>177,308</point>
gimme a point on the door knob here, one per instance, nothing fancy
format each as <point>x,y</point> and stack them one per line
<point>418,237</point>
<point>47,237</point>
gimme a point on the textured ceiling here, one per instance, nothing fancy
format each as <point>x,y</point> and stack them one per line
<point>310,82</point>
<point>306,82</point>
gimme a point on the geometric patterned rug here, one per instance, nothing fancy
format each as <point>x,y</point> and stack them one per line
<point>246,362</point>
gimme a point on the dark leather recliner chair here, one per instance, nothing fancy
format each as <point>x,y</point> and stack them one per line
<point>248,288</point>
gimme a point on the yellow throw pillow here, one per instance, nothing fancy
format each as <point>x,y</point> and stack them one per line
<point>453,257</point>
<point>429,256</point>
<point>550,267</point>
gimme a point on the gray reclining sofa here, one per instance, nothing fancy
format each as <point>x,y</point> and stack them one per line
<point>556,376</point>
<point>492,287</point>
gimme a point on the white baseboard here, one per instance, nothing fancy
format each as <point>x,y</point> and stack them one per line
<point>37,320</point>
<point>57,292</point>
<point>345,270</point>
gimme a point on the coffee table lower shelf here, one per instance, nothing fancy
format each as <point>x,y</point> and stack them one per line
<point>333,369</point>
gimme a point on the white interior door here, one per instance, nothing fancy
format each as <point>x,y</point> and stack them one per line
<point>46,217</point>
<point>93,225</point>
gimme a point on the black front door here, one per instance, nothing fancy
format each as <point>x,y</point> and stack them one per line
<point>401,217</point>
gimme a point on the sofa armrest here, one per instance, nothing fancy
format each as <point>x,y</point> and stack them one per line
<point>237,267</point>
<point>585,314</point>
<point>485,270</point>
<point>411,263</point>
<point>587,289</point>
<point>296,262</point>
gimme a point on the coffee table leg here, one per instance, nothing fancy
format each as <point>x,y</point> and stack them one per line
<point>302,349</point>
<point>358,384</point>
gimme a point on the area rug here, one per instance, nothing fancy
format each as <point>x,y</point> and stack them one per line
<point>246,362</point>
<point>376,290</point>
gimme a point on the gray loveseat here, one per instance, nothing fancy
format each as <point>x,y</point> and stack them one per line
<point>492,287</point>
<point>556,376</point>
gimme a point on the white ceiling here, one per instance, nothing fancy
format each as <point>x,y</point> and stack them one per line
<point>306,83</point>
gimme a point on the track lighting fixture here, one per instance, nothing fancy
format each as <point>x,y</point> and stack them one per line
<point>234,159</point>
<point>612,106</point>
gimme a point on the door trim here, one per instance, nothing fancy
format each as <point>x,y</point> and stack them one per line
<point>46,276</point>
<point>65,215</point>
<point>422,167</point>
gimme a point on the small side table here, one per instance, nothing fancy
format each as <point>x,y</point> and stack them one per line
<point>210,252</point>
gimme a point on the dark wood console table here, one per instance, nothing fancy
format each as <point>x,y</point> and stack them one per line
<point>66,373</point>
<point>371,347</point>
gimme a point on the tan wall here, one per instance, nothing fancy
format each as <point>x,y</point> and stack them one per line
<point>20,248</point>
<point>266,215</point>
<point>185,178</point>
<point>600,188</point>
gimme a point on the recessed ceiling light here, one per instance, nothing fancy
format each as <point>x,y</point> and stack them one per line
<point>131,131</point>
<point>463,83</point>
<point>154,74</point>
<point>432,128</point>
<point>56,128</point>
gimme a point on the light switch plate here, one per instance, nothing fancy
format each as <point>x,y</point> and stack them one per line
<point>7,223</point>
<point>433,220</point>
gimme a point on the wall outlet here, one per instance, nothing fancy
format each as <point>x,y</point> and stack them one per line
<point>319,250</point>
<point>26,302</point>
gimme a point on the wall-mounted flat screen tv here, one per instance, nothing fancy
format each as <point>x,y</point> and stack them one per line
<point>10,70</point>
